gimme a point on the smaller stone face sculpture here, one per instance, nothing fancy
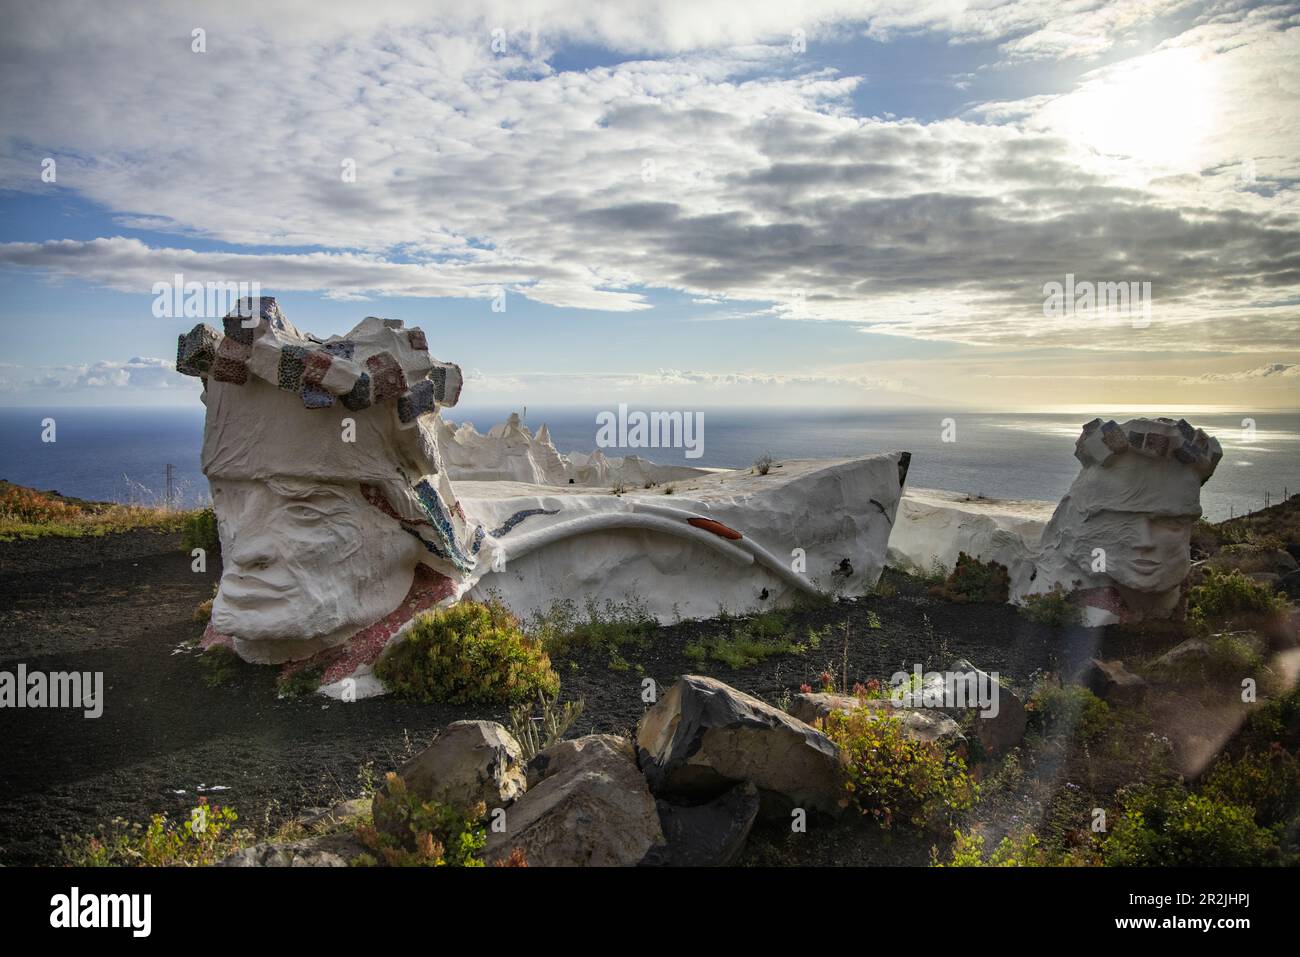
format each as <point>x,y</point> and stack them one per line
<point>1122,533</point>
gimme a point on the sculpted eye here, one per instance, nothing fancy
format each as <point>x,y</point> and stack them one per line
<point>305,512</point>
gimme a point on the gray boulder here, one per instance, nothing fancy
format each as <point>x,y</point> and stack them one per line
<point>707,835</point>
<point>703,737</point>
<point>1112,682</point>
<point>470,761</point>
<point>590,806</point>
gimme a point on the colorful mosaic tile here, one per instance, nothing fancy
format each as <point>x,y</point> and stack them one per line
<point>415,338</point>
<point>431,504</point>
<point>1113,437</point>
<point>343,349</point>
<point>292,360</point>
<point>226,369</point>
<point>314,398</point>
<point>196,349</point>
<point>314,367</point>
<point>419,400</point>
<point>359,396</point>
<point>518,517</point>
<point>1158,443</point>
<point>386,378</point>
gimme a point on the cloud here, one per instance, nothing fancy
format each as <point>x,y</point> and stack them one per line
<point>138,373</point>
<point>733,169</point>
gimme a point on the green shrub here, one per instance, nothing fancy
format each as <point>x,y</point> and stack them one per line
<point>200,531</point>
<point>1226,596</point>
<point>561,628</point>
<point>408,832</point>
<point>220,666</point>
<point>889,776</point>
<point>469,653</point>
<point>208,836</point>
<point>1267,782</point>
<point>1055,609</point>
<point>1059,711</point>
<point>1018,850</point>
<point>1167,827</point>
<point>972,580</point>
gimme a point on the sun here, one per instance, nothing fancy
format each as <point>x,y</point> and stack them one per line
<point>1160,111</point>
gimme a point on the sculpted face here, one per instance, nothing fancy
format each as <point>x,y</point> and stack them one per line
<point>305,560</point>
<point>1144,552</point>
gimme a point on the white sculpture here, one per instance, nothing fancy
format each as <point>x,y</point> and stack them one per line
<point>1119,539</point>
<point>339,521</point>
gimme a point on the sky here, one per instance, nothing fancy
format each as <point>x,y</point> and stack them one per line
<point>713,203</point>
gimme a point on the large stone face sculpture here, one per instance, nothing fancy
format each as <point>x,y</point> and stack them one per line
<point>1119,538</point>
<point>339,521</point>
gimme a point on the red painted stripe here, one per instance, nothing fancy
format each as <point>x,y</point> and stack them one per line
<point>717,528</point>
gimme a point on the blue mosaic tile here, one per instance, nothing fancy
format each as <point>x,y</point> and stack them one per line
<point>343,349</point>
<point>419,400</point>
<point>358,397</point>
<point>316,398</point>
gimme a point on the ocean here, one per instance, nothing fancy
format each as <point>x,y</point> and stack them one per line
<point>121,454</point>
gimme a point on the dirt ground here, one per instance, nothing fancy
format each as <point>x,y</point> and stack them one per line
<point>123,605</point>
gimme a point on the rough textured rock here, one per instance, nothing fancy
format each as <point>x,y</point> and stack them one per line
<point>587,752</point>
<point>592,808</point>
<point>315,852</point>
<point>703,737</point>
<point>707,835</point>
<point>1188,654</point>
<point>921,723</point>
<point>1006,729</point>
<point>1112,682</point>
<point>470,761</point>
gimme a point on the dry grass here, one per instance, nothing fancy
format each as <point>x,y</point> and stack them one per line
<point>26,513</point>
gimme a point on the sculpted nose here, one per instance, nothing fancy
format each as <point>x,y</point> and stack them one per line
<point>252,551</point>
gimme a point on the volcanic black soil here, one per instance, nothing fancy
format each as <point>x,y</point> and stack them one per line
<point>123,605</point>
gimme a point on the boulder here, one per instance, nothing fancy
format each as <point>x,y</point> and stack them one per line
<point>922,724</point>
<point>588,751</point>
<point>1112,682</point>
<point>1290,584</point>
<point>470,761</point>
<point>707,835</point>
<point>313,852</point>
<point>591,807</point>
<point>1188,654</point>
<point>703,737</point>
<point>1004,730</point>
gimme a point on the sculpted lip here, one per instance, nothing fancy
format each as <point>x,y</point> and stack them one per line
<point>246,587</point>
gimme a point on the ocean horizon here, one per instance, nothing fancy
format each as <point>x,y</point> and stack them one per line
<point>121,453</point>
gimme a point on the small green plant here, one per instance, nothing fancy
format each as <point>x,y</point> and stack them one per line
<point>220,666</point>
<point>670,489</point>
<point>763,464</point>
<point>298,681</point>
<point>536,734</point>
<point>208,836</point>
<point>472,652</point>
<point>1168,827</point>
<point>739,651</point>
<point>1068,711</point>
<point>200,531</point>
<point>972,580</point>
<point>891,776</point>
<point>408,832</point>
<point>561,628</point>
<point>1055,609</point>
